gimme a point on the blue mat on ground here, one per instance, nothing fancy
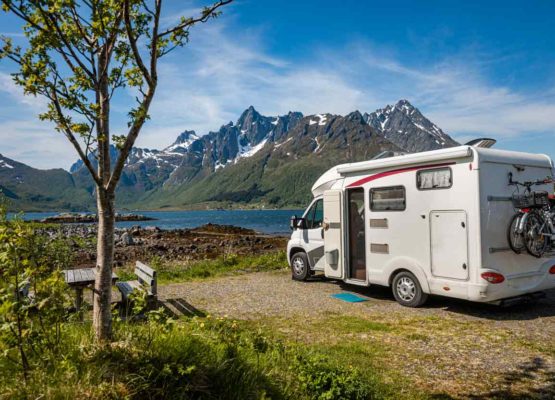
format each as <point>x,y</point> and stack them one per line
<point>349,297</point>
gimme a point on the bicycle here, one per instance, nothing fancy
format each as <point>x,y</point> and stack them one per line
<point>533,226</point>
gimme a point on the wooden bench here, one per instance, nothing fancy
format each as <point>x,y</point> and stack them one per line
<point>146,282</point>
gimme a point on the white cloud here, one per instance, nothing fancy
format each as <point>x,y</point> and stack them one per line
<point>220,76</point>
<point>35,143</point>
<point>8,87</point>
<point>221,72</point>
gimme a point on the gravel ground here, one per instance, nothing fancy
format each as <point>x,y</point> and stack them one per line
<point>450,347</point>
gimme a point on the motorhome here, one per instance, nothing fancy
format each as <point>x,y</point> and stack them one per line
<point>431,223</point>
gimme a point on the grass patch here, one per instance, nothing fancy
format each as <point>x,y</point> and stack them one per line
<point>352,342</point>
<point>351,324</point>
<point>170,272</point>
<point>188,359</point>
<point>417,336</point>
<point>541,347</point>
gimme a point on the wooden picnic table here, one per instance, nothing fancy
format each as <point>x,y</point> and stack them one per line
<point>80,278</point>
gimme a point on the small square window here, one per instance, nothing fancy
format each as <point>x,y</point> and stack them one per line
<point>438,178</point>
<point>388,199</point>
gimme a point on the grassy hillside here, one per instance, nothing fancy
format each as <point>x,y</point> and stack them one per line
<point>277,176</point>
<point>30,189</point>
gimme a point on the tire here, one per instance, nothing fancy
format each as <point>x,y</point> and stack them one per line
<point>300,269</point>
<point>516,240</point>
<point>536,242</point>
<point>407,290</point>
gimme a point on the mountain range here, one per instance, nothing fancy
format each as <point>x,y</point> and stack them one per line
<point>257,161</point>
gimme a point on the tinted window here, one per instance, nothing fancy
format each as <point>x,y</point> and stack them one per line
<point>318,214</point>
<point>315,216</point>
<point>388,199</point>
<point>439,178</point>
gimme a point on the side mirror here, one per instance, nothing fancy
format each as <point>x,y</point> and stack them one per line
<point>293,223</point>
<point>297,223</point>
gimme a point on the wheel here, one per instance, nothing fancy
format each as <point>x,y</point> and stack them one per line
<point>300,269</point>
<point>407,290</point>
<point>516,239</point>
<point>536,242</point>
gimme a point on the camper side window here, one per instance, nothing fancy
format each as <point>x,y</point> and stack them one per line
<point>315,215</point>
<point>439,178</point>
<point>388,199</point>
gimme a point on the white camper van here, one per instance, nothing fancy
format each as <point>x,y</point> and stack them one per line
<point>426,223</point>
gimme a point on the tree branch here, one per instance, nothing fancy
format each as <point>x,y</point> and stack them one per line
<point>68,45</point>
<point>130,139</point>
<point>133,43</point>
<point>206,15</point>
<point>71,137</point>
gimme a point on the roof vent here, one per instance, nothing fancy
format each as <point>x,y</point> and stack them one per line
<point>482,142</point>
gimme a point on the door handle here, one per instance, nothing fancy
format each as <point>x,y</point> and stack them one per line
<point>464,266</point>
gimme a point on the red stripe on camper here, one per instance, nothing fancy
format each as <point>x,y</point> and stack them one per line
<point>371,178</point>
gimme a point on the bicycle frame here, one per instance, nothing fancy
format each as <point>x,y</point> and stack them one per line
<point>546,213</point>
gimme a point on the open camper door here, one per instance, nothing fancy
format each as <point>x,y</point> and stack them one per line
<point>333,234</point>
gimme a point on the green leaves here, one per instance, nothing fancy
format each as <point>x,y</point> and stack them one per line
<point>78,54</point>
<point>33,293</point>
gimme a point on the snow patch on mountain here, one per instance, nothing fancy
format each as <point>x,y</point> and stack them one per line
<point>180,146</point>
<point>218,165</point>
<point>282,143</point>
<point>249,151</point>
<point>4,164</point>
<point>322,119</point>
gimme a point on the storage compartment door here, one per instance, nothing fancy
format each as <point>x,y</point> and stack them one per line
<point>333,234</point>
<point>449,242</point>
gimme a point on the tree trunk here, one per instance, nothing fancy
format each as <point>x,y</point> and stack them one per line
<point>102,313</point>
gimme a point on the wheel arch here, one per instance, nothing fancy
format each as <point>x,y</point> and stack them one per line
<point>401,264</point>
<point>297,249</point>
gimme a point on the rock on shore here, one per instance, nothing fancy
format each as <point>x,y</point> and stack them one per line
<point>76,218</point>
<point>145,243</point>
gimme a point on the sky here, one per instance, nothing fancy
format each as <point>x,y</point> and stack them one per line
<point>475,68</point>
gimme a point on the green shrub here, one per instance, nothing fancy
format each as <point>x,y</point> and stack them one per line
<point>33,294</point>
<point>201,269</point>
<point>188,359</point>
<point>321,380</point>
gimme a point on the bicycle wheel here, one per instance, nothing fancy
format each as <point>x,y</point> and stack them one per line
<point>536,241</point>
<point>515,238</point>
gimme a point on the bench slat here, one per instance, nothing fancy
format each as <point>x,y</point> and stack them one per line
<point>145,268</point>
<point>90,274</point>
<point>146,282</point>
<point>144,278</point>
<point>126,288</point>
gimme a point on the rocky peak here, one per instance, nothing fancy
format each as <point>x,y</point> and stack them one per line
<point>355,116</point>
<point>248,116</point>
<point>404,125</point>
<point>186,136</point>
<point>183,142</point>
<point>254,127</point>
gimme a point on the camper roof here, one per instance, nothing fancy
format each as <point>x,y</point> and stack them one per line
<point>326,181</point>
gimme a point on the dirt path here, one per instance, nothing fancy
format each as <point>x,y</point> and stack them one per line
<point>457,348</point>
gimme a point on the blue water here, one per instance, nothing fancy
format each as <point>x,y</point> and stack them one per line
<point>264,221</point>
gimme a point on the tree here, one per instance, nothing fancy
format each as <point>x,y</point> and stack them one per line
<point>77,55</point>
